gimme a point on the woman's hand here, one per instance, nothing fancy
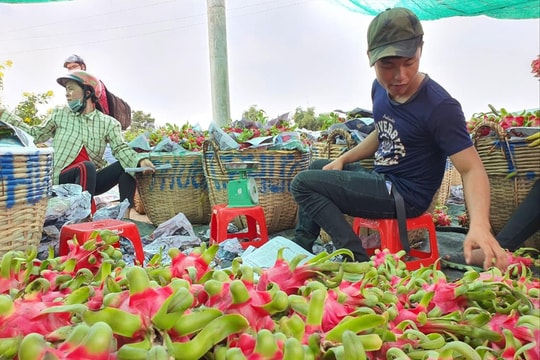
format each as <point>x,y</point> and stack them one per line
<point>147,163</point>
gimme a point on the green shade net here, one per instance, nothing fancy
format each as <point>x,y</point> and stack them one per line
<point>27,1</point>
<point>437,9</point>
<point>426,9</point>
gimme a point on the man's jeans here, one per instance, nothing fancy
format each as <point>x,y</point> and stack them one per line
<point>323,196</point>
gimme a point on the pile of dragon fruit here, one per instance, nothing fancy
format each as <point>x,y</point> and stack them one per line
<point>90,304</point>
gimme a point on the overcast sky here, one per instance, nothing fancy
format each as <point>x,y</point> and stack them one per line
<point>282,54</point>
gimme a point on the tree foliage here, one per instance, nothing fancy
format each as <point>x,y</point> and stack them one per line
<point>255,114</point>
<point>328,119</point>
<point>140,123</point>
<point>307,119</point>
<point>6,64</point>
<point>28,110</point>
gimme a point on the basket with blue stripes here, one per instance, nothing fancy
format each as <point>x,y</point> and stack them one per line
<point>273,177</point>
<point>180,189</point>
<point>25,187</point>
<point>512,168</point>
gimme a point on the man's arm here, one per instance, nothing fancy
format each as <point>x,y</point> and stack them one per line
<point>477,197</point>
<point>363,150</point>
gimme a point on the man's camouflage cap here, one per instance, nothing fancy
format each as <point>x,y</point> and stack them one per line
<point>394,32</point>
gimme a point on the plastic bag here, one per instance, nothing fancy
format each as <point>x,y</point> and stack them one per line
<point>225,141</point>
<point>116,211</point>
<point>71,203</point>
<point>167,145</point>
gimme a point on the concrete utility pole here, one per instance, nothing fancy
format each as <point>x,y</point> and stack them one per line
<point>217,40</point>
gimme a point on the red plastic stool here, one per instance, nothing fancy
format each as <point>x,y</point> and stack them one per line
<point>389,234</point>
<point>82,231</point>
<point>223,215</point>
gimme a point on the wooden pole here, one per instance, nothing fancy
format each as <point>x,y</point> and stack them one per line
<point>217,40</point>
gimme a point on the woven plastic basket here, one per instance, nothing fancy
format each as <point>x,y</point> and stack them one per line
<point>451,178</point>
<point>25,187</point>
<point>331,149</point>
<point>180,189</point>
<point>138,204</point>
<point>273,177</point>
<point>512,168</point>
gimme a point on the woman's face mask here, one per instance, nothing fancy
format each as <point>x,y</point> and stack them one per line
<point>75,105</point>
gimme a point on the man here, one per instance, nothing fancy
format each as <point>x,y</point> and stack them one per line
<point>417,125</point>
<point>79,136</point>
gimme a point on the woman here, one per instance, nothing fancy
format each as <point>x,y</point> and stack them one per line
<point>80,134</point>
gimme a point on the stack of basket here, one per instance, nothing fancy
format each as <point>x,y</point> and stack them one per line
<point>512,168</point>
<point>180,189</point>
<point>25,187</point>
<point>276,169</point>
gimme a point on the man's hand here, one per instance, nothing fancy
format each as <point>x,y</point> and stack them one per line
<point>494,255</point>
<point>477,197</point>
<point>336,164</point>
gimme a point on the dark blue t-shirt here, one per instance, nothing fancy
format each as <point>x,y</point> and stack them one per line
<point>416,137</point>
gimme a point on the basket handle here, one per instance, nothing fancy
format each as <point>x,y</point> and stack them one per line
<point>501,135</point>
<point>212,143</point>
<point>332,137</point>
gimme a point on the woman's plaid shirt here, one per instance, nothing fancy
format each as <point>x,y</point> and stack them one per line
<point>71,131</point>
